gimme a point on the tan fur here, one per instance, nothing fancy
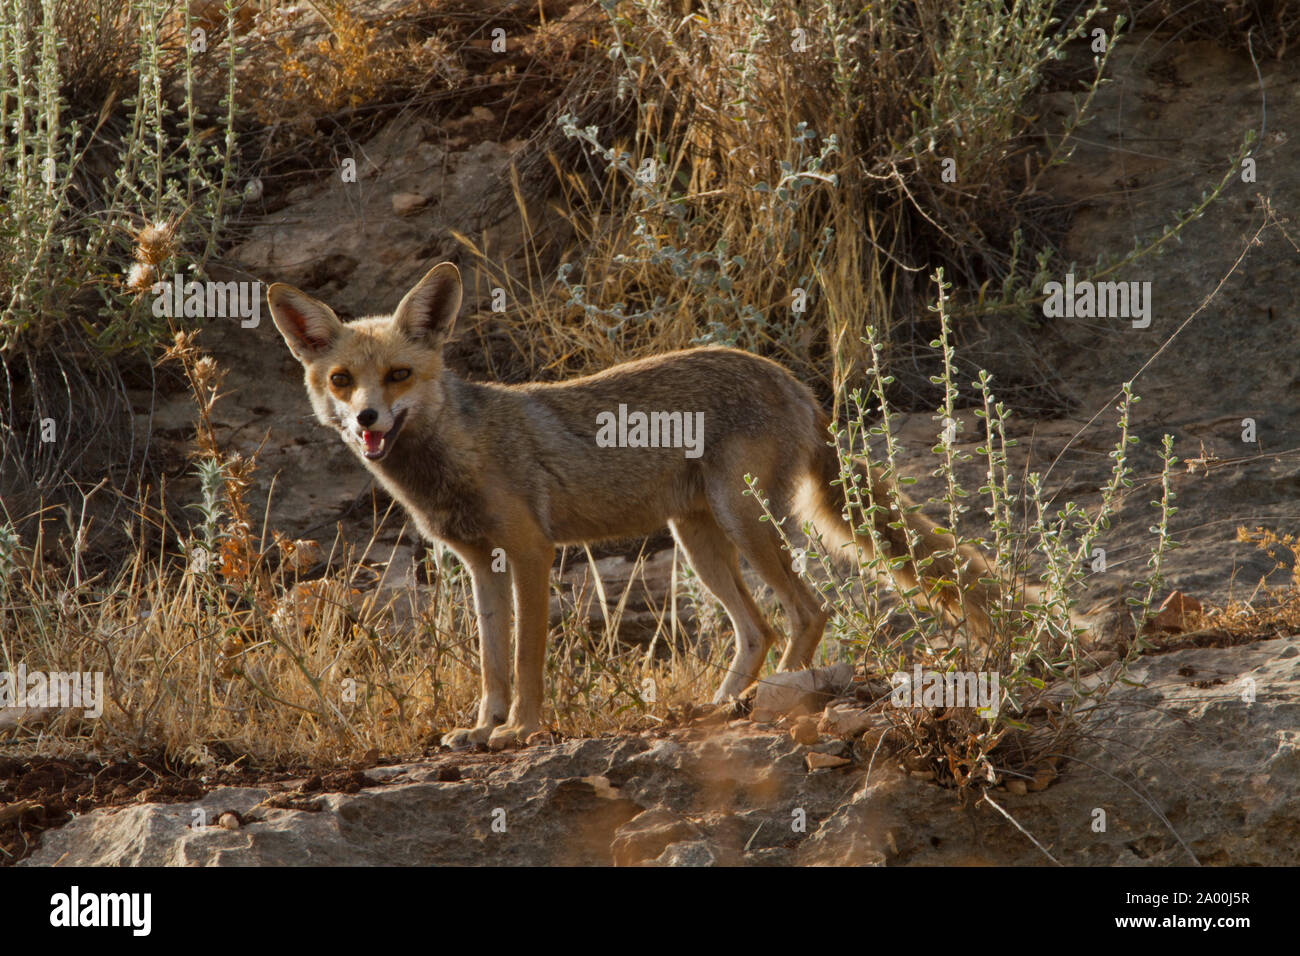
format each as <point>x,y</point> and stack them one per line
<point>487,466</point>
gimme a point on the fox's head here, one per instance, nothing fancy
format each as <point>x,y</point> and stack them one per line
<point>367,376</point>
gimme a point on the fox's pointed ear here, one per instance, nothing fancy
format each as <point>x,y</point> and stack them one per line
<point>309,326</point>
<point>429,309</point>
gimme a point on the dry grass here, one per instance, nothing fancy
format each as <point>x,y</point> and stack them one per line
<point>355,63</point>
<point>735,189</point>
<point>276,669</point>
<point>1271,609</point>
<point>321,78</point>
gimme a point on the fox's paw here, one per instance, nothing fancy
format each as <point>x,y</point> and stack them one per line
<point>511,735</point>
<point>466,737</point>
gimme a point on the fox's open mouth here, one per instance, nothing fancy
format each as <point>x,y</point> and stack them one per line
<point>377,444</point>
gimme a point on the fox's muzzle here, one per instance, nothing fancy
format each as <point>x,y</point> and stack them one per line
<point>378,444</point>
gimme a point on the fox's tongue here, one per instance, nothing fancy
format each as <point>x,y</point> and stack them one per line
<point>374,441</point>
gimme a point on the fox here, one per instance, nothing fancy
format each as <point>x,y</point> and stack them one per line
<point>489,468</point>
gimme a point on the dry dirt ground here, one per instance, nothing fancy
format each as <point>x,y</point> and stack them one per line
<point>1176,769</point>
<point>1165,128</point>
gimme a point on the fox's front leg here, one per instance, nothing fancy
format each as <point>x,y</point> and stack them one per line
<point>531,572</point>
<point>492,608</point>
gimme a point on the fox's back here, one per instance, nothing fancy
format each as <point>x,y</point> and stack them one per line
<point>735,390</point>
<point>619,452</point>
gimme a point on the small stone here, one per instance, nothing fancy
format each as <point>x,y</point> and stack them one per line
<point>804,731</point>
<point>845,720</point>
<point>229,821</point>
<point>692,853</point>
<point>1042,779</point>
<point>406,203</point>
<point>818,761</point>
<point>1177,613</point>
<point>786,691</point>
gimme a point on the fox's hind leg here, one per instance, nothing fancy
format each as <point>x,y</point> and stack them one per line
<point>713,557</point>
<point>741,518</point>
<point>760,543</point>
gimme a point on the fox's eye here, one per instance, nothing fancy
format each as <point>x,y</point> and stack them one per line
<point>340,379</point>
<point>398,374</point>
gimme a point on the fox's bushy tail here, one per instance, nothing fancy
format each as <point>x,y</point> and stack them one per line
<point>960,582</point>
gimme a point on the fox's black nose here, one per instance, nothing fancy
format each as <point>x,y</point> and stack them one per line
<point>367,417</point>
